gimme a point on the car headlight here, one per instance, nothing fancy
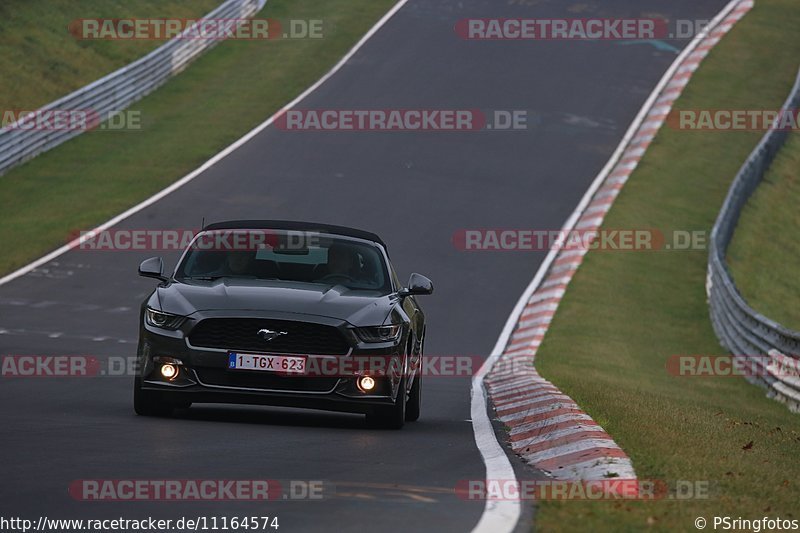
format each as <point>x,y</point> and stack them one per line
<point>379,333</point>
<point>163,320</point>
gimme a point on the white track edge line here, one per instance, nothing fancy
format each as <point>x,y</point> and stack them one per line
<point>208,164</point>
<point>502,516</point>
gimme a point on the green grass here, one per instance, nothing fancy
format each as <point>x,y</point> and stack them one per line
<point>220,97</point>
<point>765,251</point>
<point>625,313</point>
<point>41,61</point>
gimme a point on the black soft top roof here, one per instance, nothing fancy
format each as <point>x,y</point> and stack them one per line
<point>295,226</point>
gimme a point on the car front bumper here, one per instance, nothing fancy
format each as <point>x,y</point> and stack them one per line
<point>204,376</point>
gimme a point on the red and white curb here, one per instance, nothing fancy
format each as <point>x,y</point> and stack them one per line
<point>546,427</point>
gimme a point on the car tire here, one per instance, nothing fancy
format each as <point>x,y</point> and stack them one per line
<point>414,405</point>
<point>146,403</point>
<point>393,417</point>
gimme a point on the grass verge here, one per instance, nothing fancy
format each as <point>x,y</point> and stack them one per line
<point>41,61</point>
<point>220,97</point>
<point>764,252</point>
<point>625,313</point>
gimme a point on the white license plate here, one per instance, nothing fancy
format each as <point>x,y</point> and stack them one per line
<point>284,364</point>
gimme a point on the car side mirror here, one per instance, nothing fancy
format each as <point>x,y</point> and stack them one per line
<point>417,284</point>
<point>152,268</point>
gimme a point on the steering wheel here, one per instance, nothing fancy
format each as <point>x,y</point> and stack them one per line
<point>331,277</point>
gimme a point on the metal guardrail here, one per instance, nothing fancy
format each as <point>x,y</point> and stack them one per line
<point>116,91</point>
<point>774,350</point>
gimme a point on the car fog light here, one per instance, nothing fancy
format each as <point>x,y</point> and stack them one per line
<point>366,383</point>
<point>169,371</point>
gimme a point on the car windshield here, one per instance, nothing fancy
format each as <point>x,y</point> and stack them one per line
<point>287,256</point>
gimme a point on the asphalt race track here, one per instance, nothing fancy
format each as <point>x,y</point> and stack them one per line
<point>415,190</point>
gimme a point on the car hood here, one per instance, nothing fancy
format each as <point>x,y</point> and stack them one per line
<point>358,307</point>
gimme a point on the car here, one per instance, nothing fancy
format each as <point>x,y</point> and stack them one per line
<point>282,313</point>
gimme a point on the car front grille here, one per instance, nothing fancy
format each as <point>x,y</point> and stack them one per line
<point>241,334</point>
<point>222,377</point>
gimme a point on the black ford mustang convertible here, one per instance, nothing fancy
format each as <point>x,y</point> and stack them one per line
<point>286,314</point>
